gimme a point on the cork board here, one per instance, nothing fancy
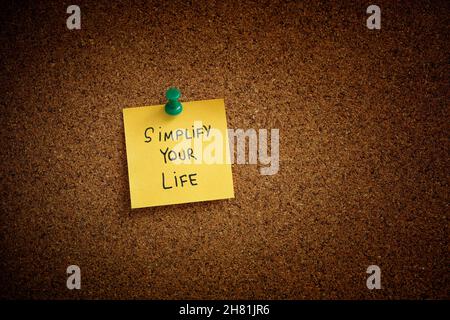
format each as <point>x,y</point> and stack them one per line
<point>363,180</point>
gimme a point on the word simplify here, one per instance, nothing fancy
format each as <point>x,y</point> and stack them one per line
<point>177,134</point>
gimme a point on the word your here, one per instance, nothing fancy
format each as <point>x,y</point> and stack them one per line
<point>74,20</point>
<point>172,155</point>
<point>374,280</point>
<point>374,21</point>
<point>74,280</point>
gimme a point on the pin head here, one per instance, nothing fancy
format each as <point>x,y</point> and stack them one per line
<point>173,94</point>
<point>173,107</point>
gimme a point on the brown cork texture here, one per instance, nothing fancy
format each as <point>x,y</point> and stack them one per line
<point>364,149</point>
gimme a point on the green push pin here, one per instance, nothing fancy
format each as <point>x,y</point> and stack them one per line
<point>173,107</point>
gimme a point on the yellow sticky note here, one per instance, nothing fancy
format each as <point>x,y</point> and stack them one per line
<point>178,159</point>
